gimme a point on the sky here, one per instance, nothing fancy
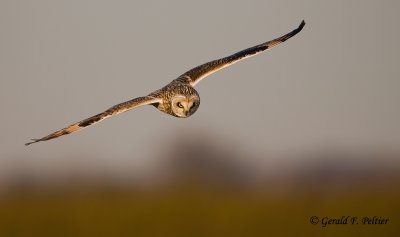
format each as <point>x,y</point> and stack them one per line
<point>335,84</point>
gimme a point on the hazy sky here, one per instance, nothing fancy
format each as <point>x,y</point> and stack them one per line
<point>337,82</point>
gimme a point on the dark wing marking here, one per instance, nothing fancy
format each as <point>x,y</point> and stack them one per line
<point>117,109</point>
<point>196,74</point>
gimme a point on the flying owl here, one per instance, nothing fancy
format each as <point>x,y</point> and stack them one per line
<point>178,98</point>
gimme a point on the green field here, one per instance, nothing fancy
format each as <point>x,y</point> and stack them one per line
<point>195,211</point>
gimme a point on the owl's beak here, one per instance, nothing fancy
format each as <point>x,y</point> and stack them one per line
<point>186,113</point>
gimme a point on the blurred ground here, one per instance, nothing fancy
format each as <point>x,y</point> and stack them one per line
<point>194,211</point>
<point>209,191</point>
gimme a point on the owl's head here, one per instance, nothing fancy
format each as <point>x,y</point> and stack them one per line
<point>183,106</point>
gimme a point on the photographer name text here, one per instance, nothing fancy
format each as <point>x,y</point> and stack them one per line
<point>348,220</point>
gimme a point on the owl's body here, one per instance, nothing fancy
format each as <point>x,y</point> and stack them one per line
<point>177,92</point>
<point>178,98</point>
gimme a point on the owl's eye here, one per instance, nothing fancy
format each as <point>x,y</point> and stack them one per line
<point>179,105</point>
<point>194,104</point>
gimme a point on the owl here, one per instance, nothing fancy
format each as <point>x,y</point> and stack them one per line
<point>178,98</point>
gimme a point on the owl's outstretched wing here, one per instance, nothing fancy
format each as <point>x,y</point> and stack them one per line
<point>196,74</point>
<point>116,109</point>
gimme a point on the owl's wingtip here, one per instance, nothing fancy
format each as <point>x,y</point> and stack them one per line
<point>33,141</point>
<point>302,24</point>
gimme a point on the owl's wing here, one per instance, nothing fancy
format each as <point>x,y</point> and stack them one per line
<point>116,109</point>
<point>196,74</point>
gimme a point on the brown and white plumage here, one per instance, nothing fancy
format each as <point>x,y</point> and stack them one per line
<point>198,73</point>
<point>117,109</point>
<point>178,98</point>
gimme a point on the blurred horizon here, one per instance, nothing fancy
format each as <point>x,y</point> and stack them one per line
<point>209,190</point>
<point>206,157</point>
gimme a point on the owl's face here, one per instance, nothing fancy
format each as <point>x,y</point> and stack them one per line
<point>184,106</point>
